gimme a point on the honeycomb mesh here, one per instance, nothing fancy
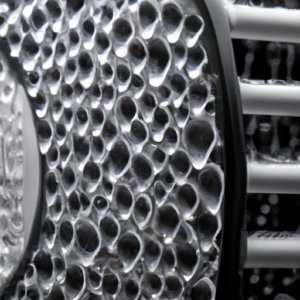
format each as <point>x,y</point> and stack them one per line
<point>126,122</point>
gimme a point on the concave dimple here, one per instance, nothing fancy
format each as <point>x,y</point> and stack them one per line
<point>68,177</point>
<point>91,172</point>
<point>199,140</point>
<point>137,51</point>
<point>100,203</point>
<point>123,73</point>
<point>187,198</point>
<point>178,83</point>
<point>88,27</point>
<point>193,23</point>
<point>153,284</point>
<point>66,233</point>
<point>147,13</point>
<point>152,252</point>
<point>142,168</point>
<point>194,60</point>
<point>38,18</point>
<point>51,183</point>
<point>119,157</point>
<point>128,108</point>
<point>109,131</point>
<point>109,229</point>
<point>168,219</point>
<point>110,283</point>
<point>128,249</point>
<point>131,289</point>
<point>86,236</point>
<point>142,210</point>
<point>44,130</point>
<point>54,9</point>
<point>205,288</point>
<point>171,17</point>
<point>102,42</point>
<point>159,156</point>
<point>124,199</point>
<point>197,95</point>
<point>138,132</point>
<point>85,62</point>
<point>180,163</point>
<point>210,182</point>
<point>159,59</point>
<point>174,287</point>
<point>81,148</point>
<point>74,204</point>
<point>187,258</point>
<point>75,281</point>
<point>43,265</point>
<point>122,30</point>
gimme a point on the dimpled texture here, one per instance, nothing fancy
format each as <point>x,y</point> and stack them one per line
<point>126,121</point>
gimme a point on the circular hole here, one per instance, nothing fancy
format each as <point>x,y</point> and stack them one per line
<point>128,108</point>
<point>187,258</point>
<point>81,148</point>
<point>60,131</point>
<point>168,259</point>
<point>87,236</point>
<point>109,131</point>
<point>60,49</point>
<point>131,289</point>
<point>55,75</point>
<point>158,56</point>
<point>204,290</point>
<point>85,62</point>
<point>147,13</point>
<point>148,101</point>
<point>168,218</point>
<point>107,15</point>
<point>51,183</point>
<point>142,168</point>
<point>210,183</point>
<point>74,204</point>
<point>96,91</point>
<point>102,41</point>
<point>44,130</point>
<point>29,46</point>
<point>193,23</point>
<point>84,201</point>
<point>122,30</point>
<point>152,252</point>
<point>141,210</point>
<point>137,51</point>
<point>128,247</point>
<point>207,224</point>
<point>137,81</point>
<point>98,144</point>
<point>74,281</point>
<point>171,136</point>
<point>95,278</point>
<point>123,73</point>
<point>168,178</point>
<point>159,191</point>
<point>154,282</point>
<point>108,92</point>
<point>75,5</point>
<point>48,229</point>
<point>198,93</point>
<point>161,116</point>
<point>171,17</point>
<point>74,37</point>
<point>109,229</point>
<point>71,66</point>
<point>124,199</point>
<point>110,283</point>
<point>159,156</point>
<point>33,77</point>
<point>195,56</point>
<point>91,172</point>
<point>82,116</point>
<point>43,264</point>
<point>100,203</point>
<point>88,27</point>
<point>164,91</point>
<point>66,233</point>
<point>119,157</point>
<point>68,176</point>
<point>14,38</point>
<point>138,132</point>
<point>53,154</point>
<point>38,18</point>
<point>181,162</point>
<point>53,9</point>
<point>178,83</point>
<point>78,89</point>
<point>107,71</point>
<point>97,117</point>
<point>47,50</point>
<point>33,293</point>
<point>187,197</point>
<point>174,286</point>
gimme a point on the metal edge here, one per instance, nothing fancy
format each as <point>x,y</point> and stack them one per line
<point>233,242</point>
